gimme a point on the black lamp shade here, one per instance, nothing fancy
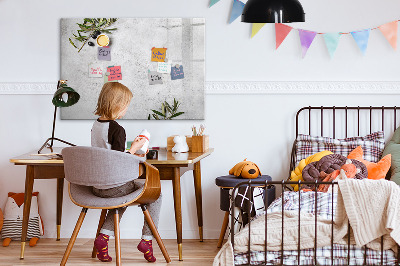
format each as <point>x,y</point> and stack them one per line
<point>273,11</point>
<point>73,96</point>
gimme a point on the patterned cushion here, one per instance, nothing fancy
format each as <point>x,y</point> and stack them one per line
<point>372,144</point>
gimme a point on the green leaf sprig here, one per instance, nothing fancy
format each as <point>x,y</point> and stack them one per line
<point>89,27</point>
<point>167,111</point>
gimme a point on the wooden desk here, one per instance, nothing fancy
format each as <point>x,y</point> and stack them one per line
<point>168,164</point>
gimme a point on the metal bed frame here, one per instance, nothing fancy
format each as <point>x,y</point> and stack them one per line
<point>284,183</point>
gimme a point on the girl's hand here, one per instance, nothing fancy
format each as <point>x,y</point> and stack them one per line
<point>142,155</point>
<point>137,144</point>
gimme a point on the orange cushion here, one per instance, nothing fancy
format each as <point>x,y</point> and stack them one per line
<point>375,170</point>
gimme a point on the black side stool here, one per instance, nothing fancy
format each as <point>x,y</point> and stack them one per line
<point>226,183</point>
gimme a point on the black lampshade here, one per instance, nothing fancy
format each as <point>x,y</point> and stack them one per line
<point>71,99</point>
<point>273,11</point>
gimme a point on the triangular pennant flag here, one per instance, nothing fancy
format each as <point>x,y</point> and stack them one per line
<point>389,30</point>
<point>237,9</point>
<point>332,41</point>
<point>361,37</point>
<point>281,31</point>
<point>213,2</point>
<point>256,27</point>
<point>306,39</point>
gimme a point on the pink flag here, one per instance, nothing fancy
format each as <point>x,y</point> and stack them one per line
<point>281,31</point>
<point>389,30</point>
<point>306,39</point>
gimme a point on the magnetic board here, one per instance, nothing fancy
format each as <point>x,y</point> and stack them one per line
<point>133,47</point>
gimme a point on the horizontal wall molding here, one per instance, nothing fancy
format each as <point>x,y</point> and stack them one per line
<point>250,87</point>
<point>27,88</point>
<point>303,87</point>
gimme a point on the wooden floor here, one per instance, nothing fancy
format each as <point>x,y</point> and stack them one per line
<point>50,252</point>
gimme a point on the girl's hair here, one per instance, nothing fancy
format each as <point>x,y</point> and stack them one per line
<point>113,98</point>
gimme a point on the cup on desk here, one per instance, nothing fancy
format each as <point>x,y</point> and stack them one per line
<point>152,155</point>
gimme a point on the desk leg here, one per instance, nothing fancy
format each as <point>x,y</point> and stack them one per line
<point>199,204</point>
<point>176,182</point>
<point>27,206</point>
<point>60,190</point>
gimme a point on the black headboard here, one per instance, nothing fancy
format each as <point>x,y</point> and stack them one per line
<point>343,122</point>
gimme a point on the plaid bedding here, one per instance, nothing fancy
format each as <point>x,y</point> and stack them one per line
<point>372,145</point>
<point>340,253</point>
<point>323,207</point>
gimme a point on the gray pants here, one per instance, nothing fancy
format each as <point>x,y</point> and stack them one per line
<point>154,208</point>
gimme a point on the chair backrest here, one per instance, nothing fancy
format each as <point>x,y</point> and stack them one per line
<point>92,166</point>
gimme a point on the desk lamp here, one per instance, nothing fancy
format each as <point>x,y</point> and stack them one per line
<point>64,97</point>
<point>273,11</point>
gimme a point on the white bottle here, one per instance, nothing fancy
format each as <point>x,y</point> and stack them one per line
<point>144,134</point>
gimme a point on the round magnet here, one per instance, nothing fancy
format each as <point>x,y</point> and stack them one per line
<point>166,60</point>
<point>177,65</point>
<point>108,73</point>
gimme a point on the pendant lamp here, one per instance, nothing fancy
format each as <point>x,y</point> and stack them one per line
<point>273,11</point>
<point>64,97</point>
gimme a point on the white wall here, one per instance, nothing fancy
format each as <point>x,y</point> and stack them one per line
<point>259,127</point>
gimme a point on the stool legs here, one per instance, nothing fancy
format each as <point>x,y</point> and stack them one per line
<point>73,237</point>
<point>223,229</point>
<point>101,222</point>
<point>117,238</point>
<point>156,235</point>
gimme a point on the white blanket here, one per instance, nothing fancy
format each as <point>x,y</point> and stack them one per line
<point>371,206</point>
<point>373,209</point>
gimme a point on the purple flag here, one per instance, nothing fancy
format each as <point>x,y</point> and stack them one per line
<point>306,39</point>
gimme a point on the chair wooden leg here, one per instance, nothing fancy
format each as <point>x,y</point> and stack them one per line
<point>101,222</point>
<point>73,237</point>
<point>223,229</point>
<point>154,230</point>
<point>117,239</point>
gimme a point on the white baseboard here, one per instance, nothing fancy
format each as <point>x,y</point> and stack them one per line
<point>249,87</point>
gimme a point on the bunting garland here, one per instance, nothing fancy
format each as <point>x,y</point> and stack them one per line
<point>237,9</point>
<point>213,2</point>
<point>361,37</point>
<point>332,41</point>
<point>281,31</point>
<point>306,39</point>
<point>389,30</point>
<point>256,27</point>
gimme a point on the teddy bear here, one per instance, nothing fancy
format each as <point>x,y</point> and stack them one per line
<point>245,169</point>
<point>13,215</point>
<point>180,144</point>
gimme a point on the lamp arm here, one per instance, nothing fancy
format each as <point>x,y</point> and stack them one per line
<point>52,136</point>
<point>54,126</point>
<point>51,140</point>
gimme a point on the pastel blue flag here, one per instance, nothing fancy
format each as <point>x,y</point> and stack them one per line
<point>332,41</point>
<point>361,37</point>
<point>237,9</point>
<point>213,2</point>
